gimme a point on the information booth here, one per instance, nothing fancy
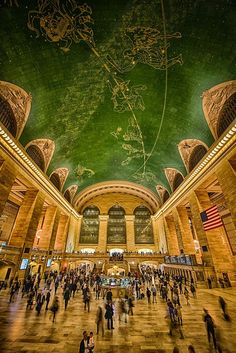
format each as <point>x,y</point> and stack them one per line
<point>119,286</point>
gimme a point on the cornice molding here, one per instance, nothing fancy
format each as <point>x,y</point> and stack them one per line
<point>116,186</point>
<point>215,154</point>
<point>17,153</point>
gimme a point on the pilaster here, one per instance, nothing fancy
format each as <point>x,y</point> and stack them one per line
<point>172,240</point>
<point>27,219</point>
<point>156,234</point>
<point>130,235</point>
<point>102,238</point>
<point>78,225</point>
<point>73,234</point>
<point>54,230</point>
<point>219,253</point>
<point>184,226</point>
<point>62,233</point>
<point>7,178</point>
<point>227,180</point>
<point>47,228</point>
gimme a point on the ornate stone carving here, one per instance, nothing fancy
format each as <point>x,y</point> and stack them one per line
<point>213,101</point>
<point>62,173</point>
<point>46,146</point>
<point>170,175</point>
<point>186,148</point>
<point>20,102</point>
<point>161,191</point>
<point>72,190</point>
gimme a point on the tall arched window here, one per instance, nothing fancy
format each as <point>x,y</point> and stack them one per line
<point>55,179</point>
<point>165,196</point>
<point>36,154</point>
<point>67,195</point>
<point>90,225</point>
<point>116,230</point>
<point>197,154</point>
<point>227,114</point>
<point>7,117</point>
<point>177,181</point>
<point>143,226</point>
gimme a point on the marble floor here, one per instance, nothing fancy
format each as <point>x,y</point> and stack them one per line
<point>146,331</point>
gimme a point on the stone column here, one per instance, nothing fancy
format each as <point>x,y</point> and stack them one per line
<point>27,219</point>
<point>162,233</point>
<point>181,217</point>
<point>7,178</point>
<point>196,209</point>
<point>102,238</point>
<point>47,228</point>
<point>54,230</point>
<point>156,234</point>
<point>77,232</point>
<point>172,239</point>
<point>73,234</point>
<point>26,225</point>
<point>62,233</point>
<point>219,253</point>
<point>227,180</point>
<point>130,236</point>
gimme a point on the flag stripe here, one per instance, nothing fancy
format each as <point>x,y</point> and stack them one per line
<point>211,218</point>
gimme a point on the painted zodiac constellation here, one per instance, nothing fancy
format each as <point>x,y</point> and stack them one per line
<point>67,22</point>
<point>146,46</point>
<point>124,97</point>
<point>82,172</point>
<point>146,49</point>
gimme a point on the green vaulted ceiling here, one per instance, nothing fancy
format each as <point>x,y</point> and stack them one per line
<point>117,84</point>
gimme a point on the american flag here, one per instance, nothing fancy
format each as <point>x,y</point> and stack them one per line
<point>211,218</point>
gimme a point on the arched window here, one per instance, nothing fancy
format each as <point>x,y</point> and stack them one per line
<point>90,225</point>
<point>197,154</point>
<point>143,226</point>
<point>177,181</point>
<point>116,230</point>
<point>67,195</point>
<point>36,154</point>
<point>227,114</point>
<point>55,179</point>
<point>165,196</point>
<point>7,117</point>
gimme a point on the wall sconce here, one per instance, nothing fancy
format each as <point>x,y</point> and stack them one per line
<point>38,233</point>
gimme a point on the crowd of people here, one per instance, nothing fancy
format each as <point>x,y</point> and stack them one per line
<point>146,285</point>
<point>116,256</point>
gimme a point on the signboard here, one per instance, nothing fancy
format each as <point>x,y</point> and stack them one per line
<point>189,260</point>
<point>24,264</point>
<point>49,262</point>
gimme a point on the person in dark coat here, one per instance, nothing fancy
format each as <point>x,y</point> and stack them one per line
<point>55,307</point>
<point>83,348</point>
<point>109,315</point>
<point>223,306</point>
<point>66,297</point>
<point>210,327</point>
<point>87,300</point>
<point>109,296</point>
<point>48,295</point>
<point>39,303</point>
<point>148,293</point>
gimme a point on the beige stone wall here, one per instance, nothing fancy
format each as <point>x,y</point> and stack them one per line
<point>106,201</point>
<point>60,228</point>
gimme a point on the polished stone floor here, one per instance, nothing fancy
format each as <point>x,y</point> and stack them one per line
<point>22,330</point>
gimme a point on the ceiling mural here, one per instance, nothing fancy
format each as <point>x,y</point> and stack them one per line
<point>117,84</point>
